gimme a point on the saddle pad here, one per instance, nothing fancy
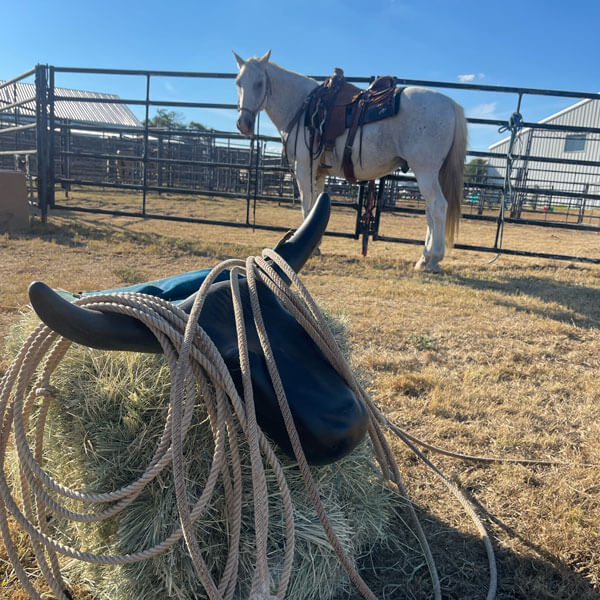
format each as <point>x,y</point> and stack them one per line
<point>174,289</point>
<point>382,105</point>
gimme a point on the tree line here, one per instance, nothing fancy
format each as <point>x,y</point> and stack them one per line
<point>170,119</point>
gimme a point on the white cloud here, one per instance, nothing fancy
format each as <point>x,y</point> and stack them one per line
<point>468,77</point>
<point>486,110</point>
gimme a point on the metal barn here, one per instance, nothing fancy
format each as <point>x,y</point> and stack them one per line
<point>17,149</point>
<point>571,151</point>
<point>99,109</point>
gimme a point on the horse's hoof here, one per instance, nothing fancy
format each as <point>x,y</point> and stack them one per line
<point>421,264</point>
<point>433,267</point>
<point>316,251</point>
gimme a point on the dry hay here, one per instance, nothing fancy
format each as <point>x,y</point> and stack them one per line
<point>102,428</point>
<point>498,359</point>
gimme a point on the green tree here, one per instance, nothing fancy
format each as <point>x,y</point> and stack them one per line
<point>170,119</point>
<point>476,171</point>
<point>167,119</point>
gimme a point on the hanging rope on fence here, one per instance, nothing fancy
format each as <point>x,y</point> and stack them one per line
<point>196,367</point>
<point>515,124</point>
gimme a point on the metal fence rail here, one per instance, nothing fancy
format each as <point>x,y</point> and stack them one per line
<point>524,188</point>
<point>18,128</point>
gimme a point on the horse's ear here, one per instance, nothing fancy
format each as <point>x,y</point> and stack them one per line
<point>239,60</point>
<point>265,59</point>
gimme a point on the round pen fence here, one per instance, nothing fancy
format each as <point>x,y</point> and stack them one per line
<point>19,120</point>
<point>67,140</point>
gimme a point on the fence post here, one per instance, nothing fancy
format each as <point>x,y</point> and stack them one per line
<point>249,182</point>
<point>145,148</point>
<point>17,123</point>
<point>379,207</point>
<point>41,104</point>
<point>582,204</point>
<point>50,140</point>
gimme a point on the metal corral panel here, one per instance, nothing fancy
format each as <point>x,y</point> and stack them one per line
<point>554,144</point>
<point>87,112</point>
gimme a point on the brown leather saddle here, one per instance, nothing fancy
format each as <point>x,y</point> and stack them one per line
<point>337,106</point>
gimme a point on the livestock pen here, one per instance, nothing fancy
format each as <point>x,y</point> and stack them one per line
<point>69,160</point>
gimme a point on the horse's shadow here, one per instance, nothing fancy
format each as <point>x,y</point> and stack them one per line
<point>462,563</point>
<point>564,301</point>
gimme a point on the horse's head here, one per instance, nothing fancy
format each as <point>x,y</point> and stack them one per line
<point>253,89</point>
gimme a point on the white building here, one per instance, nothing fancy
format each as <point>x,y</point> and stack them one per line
<point>543,179</point>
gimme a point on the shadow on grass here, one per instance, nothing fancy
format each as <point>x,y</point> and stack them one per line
<point>463,569</point>
<point>79,232</point>
<point>579,304</point>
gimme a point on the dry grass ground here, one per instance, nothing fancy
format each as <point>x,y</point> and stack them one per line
<point>497,360</point>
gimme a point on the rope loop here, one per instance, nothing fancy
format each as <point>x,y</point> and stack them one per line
<point>515,123</point>
<point>197,368</point>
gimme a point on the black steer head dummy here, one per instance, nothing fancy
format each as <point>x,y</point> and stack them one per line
<point>329,418</point>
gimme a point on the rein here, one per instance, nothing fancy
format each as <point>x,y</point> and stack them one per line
<point>295,122</point>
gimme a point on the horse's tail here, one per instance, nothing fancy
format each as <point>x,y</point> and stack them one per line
<point>451,175</point>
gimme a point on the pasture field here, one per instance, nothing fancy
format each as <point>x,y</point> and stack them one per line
<point>497,360</point>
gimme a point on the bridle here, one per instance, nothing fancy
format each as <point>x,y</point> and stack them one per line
<point>262,103</point>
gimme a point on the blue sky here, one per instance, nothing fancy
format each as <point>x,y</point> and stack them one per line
<point>538,44</point>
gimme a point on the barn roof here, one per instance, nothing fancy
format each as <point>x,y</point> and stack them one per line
<point>550,119</point>
<point>105,113</point>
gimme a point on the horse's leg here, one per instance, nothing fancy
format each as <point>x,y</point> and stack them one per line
<point>310,185</point>
<point>303,176</point>
<point>421,264</point>
<point>317,189</point>
<point>435,211</point>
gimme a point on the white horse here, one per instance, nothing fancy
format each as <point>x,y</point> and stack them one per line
<point>429,133</point>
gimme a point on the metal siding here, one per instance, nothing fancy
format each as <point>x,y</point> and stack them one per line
<point>545,143</point>
<point>88,112</point>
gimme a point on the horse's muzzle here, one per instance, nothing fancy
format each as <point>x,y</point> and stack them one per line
<point>245,123</point>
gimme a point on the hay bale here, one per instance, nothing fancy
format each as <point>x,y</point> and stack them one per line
<point>101,433</point>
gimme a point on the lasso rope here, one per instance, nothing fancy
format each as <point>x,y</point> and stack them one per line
<point>196,368</point>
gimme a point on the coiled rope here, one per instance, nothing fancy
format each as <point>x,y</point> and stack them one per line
<point>196,368</point>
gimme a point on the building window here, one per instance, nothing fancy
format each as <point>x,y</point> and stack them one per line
<point>575,143</point>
